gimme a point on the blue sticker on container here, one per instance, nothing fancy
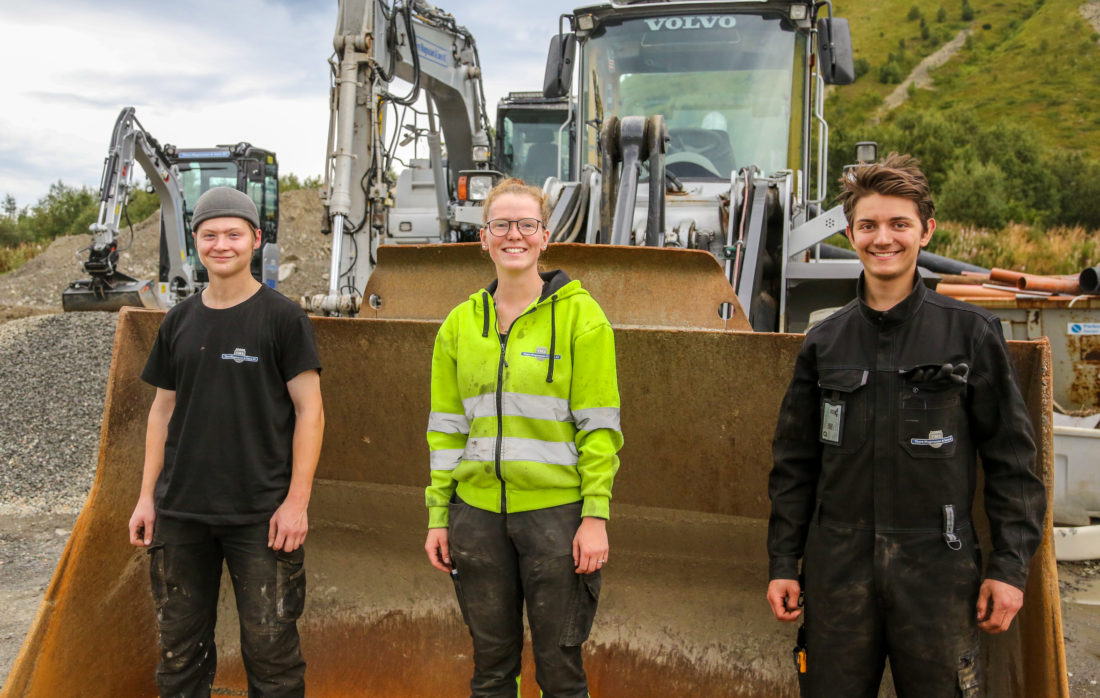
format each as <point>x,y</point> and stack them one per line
<point>1083,328</point>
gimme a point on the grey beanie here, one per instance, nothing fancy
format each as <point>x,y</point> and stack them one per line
<point>225,201</point>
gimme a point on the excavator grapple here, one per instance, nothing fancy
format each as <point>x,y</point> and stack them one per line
<point>683,610</point>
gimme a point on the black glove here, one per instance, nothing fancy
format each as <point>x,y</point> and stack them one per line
<point>935,374</point>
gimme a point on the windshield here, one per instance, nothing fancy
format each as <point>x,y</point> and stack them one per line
<point>723,83</point>
<point>530,144</point>
<point>197,177</point>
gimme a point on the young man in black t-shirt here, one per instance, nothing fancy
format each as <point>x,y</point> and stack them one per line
<point>231,446</point>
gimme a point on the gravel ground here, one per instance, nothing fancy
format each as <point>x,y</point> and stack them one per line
<point>52,390</point>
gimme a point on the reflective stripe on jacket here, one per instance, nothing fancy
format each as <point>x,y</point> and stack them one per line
<point>530,421</point>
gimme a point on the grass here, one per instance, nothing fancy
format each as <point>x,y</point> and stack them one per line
<point>1033,62</point>
<point>11,258</point>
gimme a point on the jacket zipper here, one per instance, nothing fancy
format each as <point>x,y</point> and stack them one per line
<point>500,407</point>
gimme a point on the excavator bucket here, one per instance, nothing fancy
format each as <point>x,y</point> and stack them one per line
<point>98,295</point>
<point>683,610</point>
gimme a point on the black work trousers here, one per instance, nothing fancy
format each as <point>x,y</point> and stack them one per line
<point>185,568</point>
<point>903,595</point>
<point>501,561</point>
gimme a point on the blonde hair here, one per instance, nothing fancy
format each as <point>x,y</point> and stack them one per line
<point>516,186</point>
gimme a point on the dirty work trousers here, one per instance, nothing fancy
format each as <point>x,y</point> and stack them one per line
<point>903,595</point>
<point>501,561</point>
<point>185,568</point>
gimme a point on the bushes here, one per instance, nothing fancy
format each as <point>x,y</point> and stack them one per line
<point>986,174</point>
<point>290,182</point>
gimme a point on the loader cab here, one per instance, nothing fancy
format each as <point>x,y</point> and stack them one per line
<point>729,83</point>
<point>530,135</point>
<point>246,168</point>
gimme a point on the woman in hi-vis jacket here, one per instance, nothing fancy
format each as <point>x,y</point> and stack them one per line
<point>524,435</point>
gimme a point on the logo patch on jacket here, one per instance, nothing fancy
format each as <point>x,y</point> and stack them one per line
<point>239,356</point>
<point>935,439</point>
<point>542,354</point>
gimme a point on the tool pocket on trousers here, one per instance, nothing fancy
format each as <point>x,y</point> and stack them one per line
<point>290,584</point>
<point>456,579</point>
<point>158,580</point>
<point>582,610</point>
<point>928,422</point>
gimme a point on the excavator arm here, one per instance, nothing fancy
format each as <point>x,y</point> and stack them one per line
<point>376,44</point>
<point>107,288</point>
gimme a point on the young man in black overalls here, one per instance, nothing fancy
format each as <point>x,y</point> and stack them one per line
<point>875,459</point>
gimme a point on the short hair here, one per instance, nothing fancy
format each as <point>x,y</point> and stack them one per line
<point>897,175</point>
<point>513,185</point>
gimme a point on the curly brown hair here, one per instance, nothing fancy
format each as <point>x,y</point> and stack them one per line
<point>896,175</point>
<point>513,185</point>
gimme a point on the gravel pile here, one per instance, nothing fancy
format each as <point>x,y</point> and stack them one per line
<point>52,388</point>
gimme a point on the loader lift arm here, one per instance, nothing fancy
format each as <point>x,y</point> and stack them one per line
<point>107,288</point>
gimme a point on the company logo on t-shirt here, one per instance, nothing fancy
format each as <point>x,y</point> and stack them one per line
<point>239,356</point>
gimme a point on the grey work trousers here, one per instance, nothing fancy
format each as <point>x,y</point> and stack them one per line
<point>185,569</point>
<point>501,561</point>
<point>903,595</point>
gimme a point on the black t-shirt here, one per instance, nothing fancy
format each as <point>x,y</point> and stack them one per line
<point>228,456</point>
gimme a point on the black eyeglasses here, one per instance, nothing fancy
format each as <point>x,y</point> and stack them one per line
<point>526,226</point>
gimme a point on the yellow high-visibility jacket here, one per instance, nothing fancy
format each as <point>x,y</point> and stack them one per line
<point>530,420</point>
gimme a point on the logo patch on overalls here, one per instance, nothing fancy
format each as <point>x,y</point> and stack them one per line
<point>832,421</point>
<point>542,354</point>
<point>239,356</point>
<point>935,439</point>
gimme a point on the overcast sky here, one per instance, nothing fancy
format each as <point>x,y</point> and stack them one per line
<point>203,72</point>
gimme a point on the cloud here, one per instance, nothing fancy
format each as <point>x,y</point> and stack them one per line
<point>202,72</point>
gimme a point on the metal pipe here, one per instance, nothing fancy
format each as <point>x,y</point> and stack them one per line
<point>1089,279</point>
<point>1050,284</point>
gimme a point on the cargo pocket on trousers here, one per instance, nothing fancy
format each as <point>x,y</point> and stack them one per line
<point>582,610</point>
<point>290,585</point>
<point>969,682</point>
<point>158,580</point>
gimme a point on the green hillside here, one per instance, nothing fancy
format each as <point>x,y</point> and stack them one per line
<point>1033,63</point>
<point>1006,126</point>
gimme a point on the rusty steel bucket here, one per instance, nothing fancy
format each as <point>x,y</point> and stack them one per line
<point>683,609</point>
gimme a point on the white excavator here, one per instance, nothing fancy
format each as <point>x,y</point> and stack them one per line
<point>433,199</point>
<point>178,176</point>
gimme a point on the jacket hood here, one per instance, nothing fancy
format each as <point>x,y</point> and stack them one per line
<point>555,281</point>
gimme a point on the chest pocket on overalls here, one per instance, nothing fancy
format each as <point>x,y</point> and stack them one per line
<point>930,408</point>
<point>844,408</point>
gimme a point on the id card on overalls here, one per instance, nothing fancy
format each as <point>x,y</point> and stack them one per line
<point>832,421</point>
